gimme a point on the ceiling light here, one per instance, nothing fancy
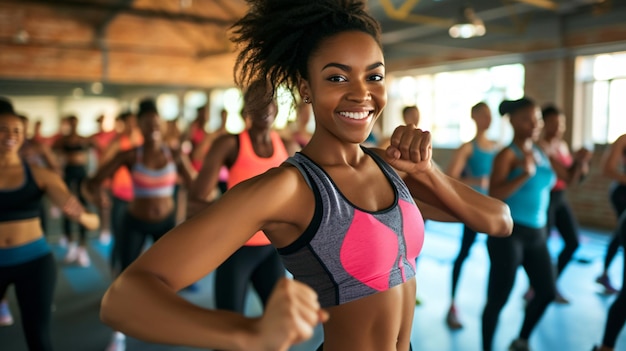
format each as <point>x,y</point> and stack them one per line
<point>468,25</point>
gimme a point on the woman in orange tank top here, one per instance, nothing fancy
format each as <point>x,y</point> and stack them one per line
<point>246,155</point>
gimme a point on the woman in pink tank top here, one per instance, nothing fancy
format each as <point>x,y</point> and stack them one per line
<point>570,169</point>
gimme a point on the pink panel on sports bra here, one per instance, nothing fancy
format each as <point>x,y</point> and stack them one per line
<point>413,230</point>
<point>369,251</point>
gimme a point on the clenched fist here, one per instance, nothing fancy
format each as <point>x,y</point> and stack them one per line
<point>410,150</point>
<point>291,315</point>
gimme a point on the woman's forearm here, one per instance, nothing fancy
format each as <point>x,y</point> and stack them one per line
<point>143,306</point>
<point>481,213</point>
<point>505,189</point>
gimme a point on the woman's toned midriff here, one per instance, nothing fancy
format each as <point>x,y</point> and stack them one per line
<point>380,322</point>
<point>151,209</point>
<point>20,232</point>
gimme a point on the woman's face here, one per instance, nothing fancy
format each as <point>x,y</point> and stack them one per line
<point>525,122</point>
<point>554,125</point>
<point>482,117</point>
<point>346,85</point>
<point>262,118</point>
<point>11,133</point>
<point>151,127</point>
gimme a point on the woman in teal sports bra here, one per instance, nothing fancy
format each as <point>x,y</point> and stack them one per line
<point>471,164</point>
<point>522,177</point>
<point>341,214</point>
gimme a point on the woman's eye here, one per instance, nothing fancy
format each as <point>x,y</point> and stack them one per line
<point>377,77</point>
<point>337,79</point>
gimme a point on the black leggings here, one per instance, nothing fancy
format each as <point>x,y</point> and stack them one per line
<point>260,265</point>
<point>561,216</point>
<point>134,233</point>
<point>34,288</point>
<point>119,208</point>
<point>73,176</point>
<point>617,313</point>
<point>527,247</point>
<point>469,236</point>
<point>618,200</point>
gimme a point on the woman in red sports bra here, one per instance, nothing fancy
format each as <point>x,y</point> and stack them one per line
<point>319,208</point>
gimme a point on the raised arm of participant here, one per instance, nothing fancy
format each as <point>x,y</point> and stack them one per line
<point>52,184</point>
<point>576,171</point>
<point>205,145</point>
<point>143,301</point>
<point>500,186</point>
<point>201,190</point>
<point>185,170</point>
<point>447,199</point>
<point>110,151</point>
<point>91,187</point>
<point>612,160</point>
<point>458,163</point>
<point>49,158</point>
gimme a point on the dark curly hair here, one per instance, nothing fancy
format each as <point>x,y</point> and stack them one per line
<point>550,111</point>
<point>277,37</point>
<point>508,107</point>
<point>147,105</point>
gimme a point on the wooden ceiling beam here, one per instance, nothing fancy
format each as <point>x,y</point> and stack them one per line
<point>126,7</point>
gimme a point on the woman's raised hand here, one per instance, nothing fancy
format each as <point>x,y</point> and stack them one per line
<point>410,150</point>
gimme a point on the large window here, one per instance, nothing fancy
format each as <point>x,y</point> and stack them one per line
<point>603,78</point>
<point>445,99</point>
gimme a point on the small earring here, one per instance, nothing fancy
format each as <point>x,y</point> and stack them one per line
<point>307,100</point>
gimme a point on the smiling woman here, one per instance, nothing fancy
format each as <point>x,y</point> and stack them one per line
<point>26,260</point>
<point>343,217</point>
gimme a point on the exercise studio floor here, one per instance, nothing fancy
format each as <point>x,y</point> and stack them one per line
<point>573,327</point>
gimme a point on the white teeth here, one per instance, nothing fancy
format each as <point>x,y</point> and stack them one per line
<point>355,115</point>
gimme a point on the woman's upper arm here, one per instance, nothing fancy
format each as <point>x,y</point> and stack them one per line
<point>52,184</point>
<point>109,167</point>
<point>110,151</point>
<point>199,245</point>
<point>215,159</point>
<point>459,160</point>
<point>501,168</point>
